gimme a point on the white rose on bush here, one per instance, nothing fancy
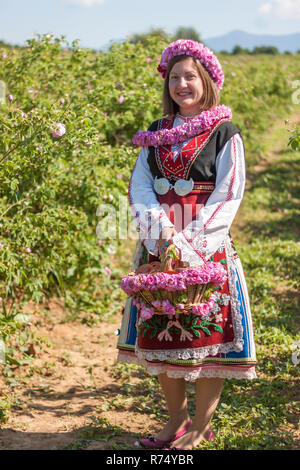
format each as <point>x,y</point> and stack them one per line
<point>59,130</point>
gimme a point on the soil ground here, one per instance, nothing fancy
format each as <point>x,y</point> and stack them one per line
<point>69,384</point>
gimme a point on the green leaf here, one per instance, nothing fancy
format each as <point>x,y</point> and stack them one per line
<point>153,333</point>
<point>145,332</point>
<point>196,333</point>
<point>206,330</point>
<point>218,328</point>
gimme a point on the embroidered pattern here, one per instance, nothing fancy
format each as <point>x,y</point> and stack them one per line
<point>186,327</point>
<point>231,338</point>
<point>187,156</point>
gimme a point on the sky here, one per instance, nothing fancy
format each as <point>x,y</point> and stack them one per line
<point>98,22</point>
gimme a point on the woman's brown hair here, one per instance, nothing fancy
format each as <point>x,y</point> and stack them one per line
<point>210,97</point>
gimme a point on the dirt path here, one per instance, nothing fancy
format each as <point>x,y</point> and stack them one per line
<point>68,384</point>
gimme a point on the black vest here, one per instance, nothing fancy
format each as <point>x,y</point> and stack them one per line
<point>204,167</point>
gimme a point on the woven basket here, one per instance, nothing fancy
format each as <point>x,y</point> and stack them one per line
<point>194,295</point>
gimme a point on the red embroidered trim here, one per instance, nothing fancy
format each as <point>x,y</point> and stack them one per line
<point>154,222</point>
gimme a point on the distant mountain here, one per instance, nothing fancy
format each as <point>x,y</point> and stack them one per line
<point>288,42</point>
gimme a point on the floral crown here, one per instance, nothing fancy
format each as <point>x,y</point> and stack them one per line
<point>197,50</point>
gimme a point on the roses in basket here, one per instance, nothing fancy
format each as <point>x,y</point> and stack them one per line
<point>167,290</point>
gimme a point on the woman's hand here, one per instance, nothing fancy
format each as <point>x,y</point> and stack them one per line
<point>166,236</point>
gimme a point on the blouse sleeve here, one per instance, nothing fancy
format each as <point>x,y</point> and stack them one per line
<point>148,215</point>
<point>201,238</point>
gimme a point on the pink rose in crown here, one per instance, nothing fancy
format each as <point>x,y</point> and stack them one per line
<point>131,284</point>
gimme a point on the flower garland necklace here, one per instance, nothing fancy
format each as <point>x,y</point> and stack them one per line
<point>194,126</point>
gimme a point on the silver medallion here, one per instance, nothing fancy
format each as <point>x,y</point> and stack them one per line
<point>183,187</point>
<point>161,185</point>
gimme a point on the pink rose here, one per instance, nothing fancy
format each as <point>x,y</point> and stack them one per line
<point>150,281</point>
<point>130,284</point>
<point>205,309</point>
<point>180,306</point>
<point>121,100</point>
<point>59,131</point>
<point>205,278</point>
<point>196,310</point>
<point>137,302</point>
<point>171,283</point>
<point>147,313</point>
<point>193,276</point>
<point>168,308</point>
<point>160,279</point>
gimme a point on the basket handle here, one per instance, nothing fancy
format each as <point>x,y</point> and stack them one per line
<point>168,257</point>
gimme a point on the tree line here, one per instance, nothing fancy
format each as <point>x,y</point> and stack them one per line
<point>190,33</point>
<point>183,32</point>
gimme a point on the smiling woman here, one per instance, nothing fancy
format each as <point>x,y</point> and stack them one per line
<point>188,88</point>
<point>185,190</point>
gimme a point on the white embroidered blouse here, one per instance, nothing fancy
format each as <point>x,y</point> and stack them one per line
<point>206,233</point>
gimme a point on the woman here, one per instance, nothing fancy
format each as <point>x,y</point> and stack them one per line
<point>185,189</point>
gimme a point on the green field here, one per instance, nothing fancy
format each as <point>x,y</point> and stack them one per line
<point>51,188</point>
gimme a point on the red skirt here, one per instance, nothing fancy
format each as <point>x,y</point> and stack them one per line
<point>192,346</point>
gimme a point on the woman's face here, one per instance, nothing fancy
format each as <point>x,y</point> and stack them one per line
<point>186,87</point>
